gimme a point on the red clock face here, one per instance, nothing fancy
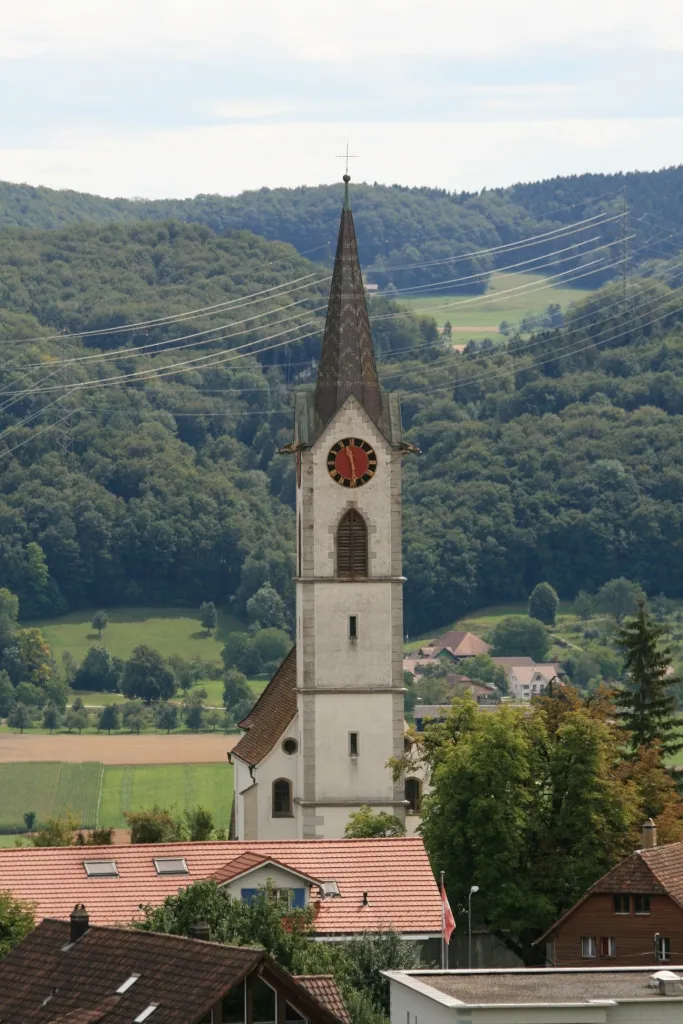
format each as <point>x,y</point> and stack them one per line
<point>351,462</point>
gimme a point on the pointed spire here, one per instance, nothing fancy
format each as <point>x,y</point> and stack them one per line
<point>347,360</point>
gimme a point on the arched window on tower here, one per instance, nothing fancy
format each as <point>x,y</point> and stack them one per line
<point>413,795</point>
<point>282,798</point>
<point>352,546</point>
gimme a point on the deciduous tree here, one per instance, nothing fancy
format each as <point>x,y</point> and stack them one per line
<point>99,622</point>
<point>368,824</point>
<point>543,604</point>
<point>519,635</point>
<point>208,615</point>
<point>110,718</point>
<point>620,597</point>
<point>146,675</point>
<point>16,921</point>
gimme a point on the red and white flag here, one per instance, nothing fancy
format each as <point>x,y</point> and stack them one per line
<point>447,919</point>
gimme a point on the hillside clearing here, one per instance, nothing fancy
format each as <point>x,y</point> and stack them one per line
<point>476,313</point>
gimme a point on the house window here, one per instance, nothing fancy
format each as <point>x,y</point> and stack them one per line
<point>588,947</point>
<point>353,627</point>
<point>288,898</point>
<point>413,795</point>
<point>263,1002</point>
<point>662,949</point>
<point>608,945</point>
<point>233,1010</point>
<point>622,903</point>
<point>353,744</point>
<point>641,904</point>
<point>352,546</point>
<point>282,798</point>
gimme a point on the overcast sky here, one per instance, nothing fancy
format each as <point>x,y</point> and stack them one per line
<point>162,98</point>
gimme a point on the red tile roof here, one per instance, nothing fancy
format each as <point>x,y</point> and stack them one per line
<point>325,990</point>
<point>461,644</point>
<point>270,715</point>
<point>402,892</point>
<point>42,981</point>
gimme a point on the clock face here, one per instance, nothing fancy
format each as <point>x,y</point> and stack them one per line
<point>351,462</point>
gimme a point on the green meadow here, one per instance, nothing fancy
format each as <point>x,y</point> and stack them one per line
<point>98,795</point>
<point>510,296</point>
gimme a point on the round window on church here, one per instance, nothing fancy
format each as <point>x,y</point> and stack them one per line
<point>290,746</point>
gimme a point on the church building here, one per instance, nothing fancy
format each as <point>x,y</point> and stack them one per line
<point>317,742</point>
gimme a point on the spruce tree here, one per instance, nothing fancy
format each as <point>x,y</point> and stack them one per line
<point>646,701</point>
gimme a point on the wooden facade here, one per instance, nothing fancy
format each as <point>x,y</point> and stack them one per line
<point>633,933</point>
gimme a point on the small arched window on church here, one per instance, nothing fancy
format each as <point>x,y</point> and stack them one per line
<point>352,546</point>
<point>282,798</point>
<point>413,795</point>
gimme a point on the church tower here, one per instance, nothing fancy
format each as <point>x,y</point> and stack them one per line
<point>319,738</point>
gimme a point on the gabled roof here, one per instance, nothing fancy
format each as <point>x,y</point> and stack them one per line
<point>270,715</point>
<point>396,874</point>
<point>324,988</point>
<point>655,872</point>
<point>461,644</point>
<point>249,862</point>
<point>183,978</point>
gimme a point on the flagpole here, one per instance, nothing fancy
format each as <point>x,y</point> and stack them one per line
<point>443,925</point>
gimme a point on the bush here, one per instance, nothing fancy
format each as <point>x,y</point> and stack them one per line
<point>98,672</point>
<point>519,635</point>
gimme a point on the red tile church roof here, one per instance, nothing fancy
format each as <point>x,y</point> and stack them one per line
<point>395,873</point>
<point>270,715</point>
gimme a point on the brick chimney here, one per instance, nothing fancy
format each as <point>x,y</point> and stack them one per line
<point>80,922</point>
<point>200,930</point>
<point>649,835</point>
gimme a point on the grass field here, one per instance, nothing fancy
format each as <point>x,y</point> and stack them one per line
<point>481,314</point>
<point>169,630</point>
<point>176,786</point>
<point>96,794</point>
<point>50,789</point>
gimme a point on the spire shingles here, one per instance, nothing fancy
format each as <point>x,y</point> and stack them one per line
<point>347,361</point>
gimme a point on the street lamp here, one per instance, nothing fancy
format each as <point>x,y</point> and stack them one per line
<point>473,889</point>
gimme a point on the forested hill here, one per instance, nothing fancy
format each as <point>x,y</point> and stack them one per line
<point>554,457</point>
<point>398,227</point>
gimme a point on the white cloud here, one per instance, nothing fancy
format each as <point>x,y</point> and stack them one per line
<point>324,30</point>
<point>229,158</point>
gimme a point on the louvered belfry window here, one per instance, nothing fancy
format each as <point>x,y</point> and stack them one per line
<point>352,546</point>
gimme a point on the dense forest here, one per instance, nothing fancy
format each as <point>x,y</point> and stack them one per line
<point>400,227</point>
<point>126,477</point>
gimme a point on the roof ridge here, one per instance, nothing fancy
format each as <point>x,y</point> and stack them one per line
<point>155,935</point>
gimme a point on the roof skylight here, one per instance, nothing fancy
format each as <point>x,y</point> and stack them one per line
<point>128,983</point>
<point>100,868</point>
<point>171,866</point>
<point>147,1012</point>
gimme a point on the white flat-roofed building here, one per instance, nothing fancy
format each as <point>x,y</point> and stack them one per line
<point>599,995</point>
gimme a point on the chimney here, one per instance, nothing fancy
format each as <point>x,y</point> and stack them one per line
<point>80,922</point>
<point>649,835</point>
<point>200,930</point>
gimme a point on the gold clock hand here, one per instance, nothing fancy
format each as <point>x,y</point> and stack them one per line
<point>349,452</point>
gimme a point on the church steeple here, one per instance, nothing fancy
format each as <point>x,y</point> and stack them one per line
<point>347,360</point>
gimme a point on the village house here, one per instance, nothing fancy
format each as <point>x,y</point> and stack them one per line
<point>71,972</point>
<point>602,995</point>
<point>453,647</point>
<point>527,681</point>
<point>353,885</point>
<point>633,915</point>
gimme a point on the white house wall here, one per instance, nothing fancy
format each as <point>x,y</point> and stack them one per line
<point>280,878</point>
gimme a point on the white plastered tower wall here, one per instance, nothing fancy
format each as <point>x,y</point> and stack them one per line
<point>348,686</point>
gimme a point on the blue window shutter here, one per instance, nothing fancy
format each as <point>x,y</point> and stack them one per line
<point>298,897</point>
<point>248,895</point>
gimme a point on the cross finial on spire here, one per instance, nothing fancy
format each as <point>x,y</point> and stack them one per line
<point>347,177</point>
